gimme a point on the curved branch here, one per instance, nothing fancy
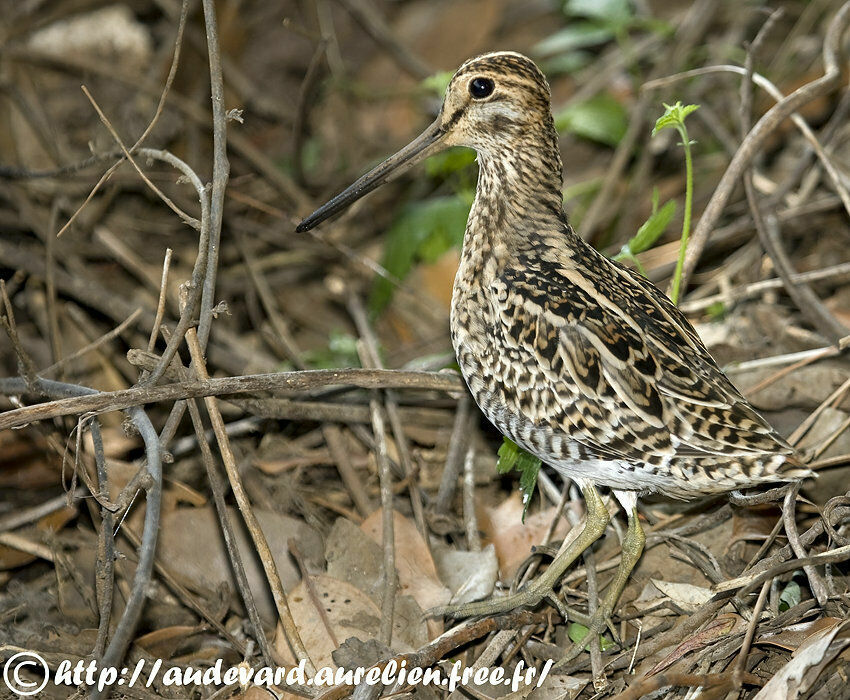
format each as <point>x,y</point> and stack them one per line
<point>153,486</point>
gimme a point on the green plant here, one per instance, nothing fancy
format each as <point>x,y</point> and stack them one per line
<point>648,233</point>
<point>600,118</point>
<point>591,23</point>
<point>578,633</point>
<point>422,231</point>
<point>340,352</point>
<point>674,118</point>
<point>512,456</point>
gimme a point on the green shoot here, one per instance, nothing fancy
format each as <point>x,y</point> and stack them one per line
<point>674,117</point>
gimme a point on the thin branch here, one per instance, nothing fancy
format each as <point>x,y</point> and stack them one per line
<point>244,384</point>
<point>387,521</point>
<point>227,530</point>
<point>105,562</point>
<point>153,486</point>
<point>260,542</point>
<point>455,455</point>
<point>191,221</point>
<point>160,305</point>
<point>789,513</point>
<point>221,172</point>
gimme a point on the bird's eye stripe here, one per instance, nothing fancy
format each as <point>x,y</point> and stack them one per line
<point>453,119</point>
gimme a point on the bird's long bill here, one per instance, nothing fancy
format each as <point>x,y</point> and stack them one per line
<point>424,145</point>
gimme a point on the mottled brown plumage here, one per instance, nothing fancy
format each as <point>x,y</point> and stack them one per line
<point>579,360</point>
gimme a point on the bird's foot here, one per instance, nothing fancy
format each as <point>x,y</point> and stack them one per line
<point>542,587</point>
<point>529,597</point>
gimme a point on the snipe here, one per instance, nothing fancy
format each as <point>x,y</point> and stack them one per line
<point>579,360</point>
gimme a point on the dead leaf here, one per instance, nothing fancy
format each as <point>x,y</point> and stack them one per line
<point>555,687</point>
<point>513,540</point>
<point>687,596</point>
<point>52,522</point>
<point>192,547</point>
<point>753,524</point>
<point>350,613</point>
<point>799,674</point>
<point>793,636</point>
<point>354,557</point>
<point>417,575</point>
<point>255,692</point>
<point>471,575</point>
<point>162,643</point>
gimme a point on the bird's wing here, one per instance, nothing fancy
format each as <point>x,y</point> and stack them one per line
<point>635,379</point>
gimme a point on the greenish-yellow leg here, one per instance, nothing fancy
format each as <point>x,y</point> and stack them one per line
<point>595,523</point>
<point>632,549</point>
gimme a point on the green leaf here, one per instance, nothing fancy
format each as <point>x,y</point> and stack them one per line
<point>449,161</point>
<point>341,352</point>
<point>569,62</point>
<point>674,116</point>
<point>613,11</point>
<point>579,35</point>
<point>716,311</point>
<point>422,231</point>
<point>648,233</point>
<point>651,230</point>
<point>791,595</point>
<point>512,456</point>
<point>601,118</point>
<point>578,633</point>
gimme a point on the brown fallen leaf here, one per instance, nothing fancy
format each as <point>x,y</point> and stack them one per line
<point>800,673</point>
<point>348,613</point>
<point>514,539</point>
<point>792,637</point>
<point>192,547</point>
<point>688,597</point>
<point>11,558</point>
<point>753,524</point>
<point>255,692</point>
<point>417,574</point>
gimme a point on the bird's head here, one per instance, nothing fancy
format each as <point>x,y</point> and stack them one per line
<point>495,103</point>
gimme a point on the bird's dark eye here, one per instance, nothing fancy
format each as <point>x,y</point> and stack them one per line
<point>480,88</point>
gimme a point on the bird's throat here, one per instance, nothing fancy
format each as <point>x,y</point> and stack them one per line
<point>518,199</point>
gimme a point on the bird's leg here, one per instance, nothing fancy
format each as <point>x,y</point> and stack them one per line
<point>595,522</point>
<point>631,550</point>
